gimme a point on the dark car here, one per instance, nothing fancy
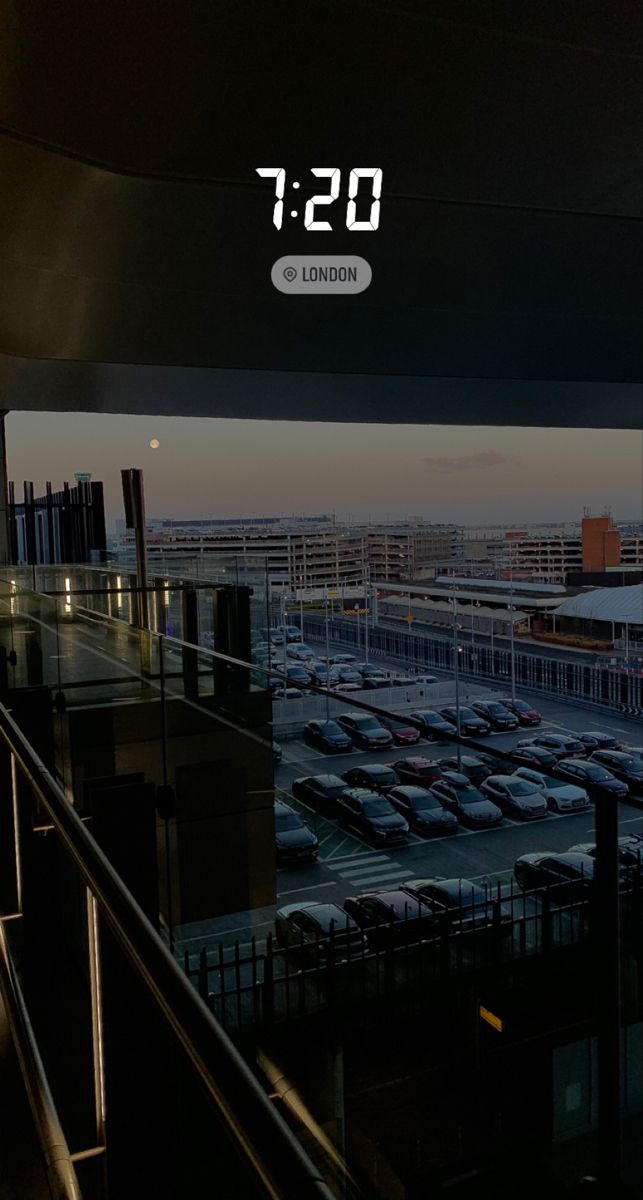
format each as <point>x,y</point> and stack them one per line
<point>464,904</point>
<point>496,764</point>
<point>294,840</point>
<point>347,674</point>
<point>460,796</point>
<point>376,777</point>
<point>563,745</point>
<point>596,779</point>
<point>343,658</point>
<point>623,766</point>
<point>516,797</point>
<point>474,768</point>
<point>434,726</point>
<point>593,739</point>
<point>403,734</point>
<point>536,756</point>
<point>471,725</point>
<point>298,674</point>
<point>372,816</point>
<point>314,932</point>
<point>365,731</point>
<point>327,736</point>
<point>526,714</point>
<point>391,916</point>
<point>321,791</point>
<point>630,852</point>
<point>496,715</point>
<point>423,811</point>
<point>418,770</point>
<point>567,876</point>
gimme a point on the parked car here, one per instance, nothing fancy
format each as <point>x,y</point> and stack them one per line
<point>560,796</point>
<point>423,811</point>
<point>294,840</point>
<point>460,796</point>
<point>327,736</point>
<point>321,791</point>
<point>418,770</point>
<point>292,633</point>
<point>471,766</point>
<point>464,904</point>
<point>297,673</point>
<point>595,740</point>
<point>300,651</point>
<point>496,715</point>
<point>365,731</point>
<point>291,693</point>
<point>596,780</point>
<point>347,674</point>
<point>434,726</point>
<point>623,766</point>
<point>425,680</point>
<point>630,852</point>
<point>403,734</point>
<point>365,668</point>
<point>526,713</point>
<point>516,797</point>
<point>391,916</point>
<point>567,876</point>
<point>314,932</point>
<point>471,725</point>
<point>373,680</point>
<point>277,753</point>
<point>529,752</point>
<point>378,777</point>
<point>347,687</point>
<point>399,679</point>
<point>343,658</point>
<point>372,816</point>
<point>496,764</point>
<point>563,745</point>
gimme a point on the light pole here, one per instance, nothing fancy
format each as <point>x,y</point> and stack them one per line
<point>301,606</point>
<point>327,658</point>
<point>357,615</point>
<point>283,628</point>
<point>513,648</point>
<point>456,674</point>
<point>366,589</point>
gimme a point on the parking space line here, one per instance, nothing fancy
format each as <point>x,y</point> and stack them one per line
<point>387,879</point>
<point>387,868</point>
<point>313,888</point>
<point>631,821</point>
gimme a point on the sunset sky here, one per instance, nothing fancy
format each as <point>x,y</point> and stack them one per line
<point>209,467</point>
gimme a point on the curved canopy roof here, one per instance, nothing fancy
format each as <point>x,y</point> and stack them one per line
<point>606,604</point>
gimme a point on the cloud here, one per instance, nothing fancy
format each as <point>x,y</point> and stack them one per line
<point>469,462</point>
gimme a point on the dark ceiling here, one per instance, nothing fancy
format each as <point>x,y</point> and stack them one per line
<point>136,238</point>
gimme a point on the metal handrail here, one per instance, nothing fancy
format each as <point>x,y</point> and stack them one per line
<point>275,1156</point>
<point>61,1175</point>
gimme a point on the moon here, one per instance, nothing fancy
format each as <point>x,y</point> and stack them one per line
<point>154,444</point>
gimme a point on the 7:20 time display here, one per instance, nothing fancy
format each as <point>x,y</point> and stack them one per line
<point>333,174</point>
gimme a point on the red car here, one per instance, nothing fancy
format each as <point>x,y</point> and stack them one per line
<point>423,772</point>
<point>403,734</point>
<point>523,711</point>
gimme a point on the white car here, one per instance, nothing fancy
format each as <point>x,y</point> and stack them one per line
<point>560,796</point>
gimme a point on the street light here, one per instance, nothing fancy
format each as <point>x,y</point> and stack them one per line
<point>366,589</point>
<point>513,649</point>
<point>357,614</point>
<point>327,657</point>
<point>456,674</point>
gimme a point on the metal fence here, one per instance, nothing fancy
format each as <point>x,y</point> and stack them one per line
<point>260,983</point>
<point>583,682</point>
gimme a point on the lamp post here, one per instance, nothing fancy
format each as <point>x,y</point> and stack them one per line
<point>357,615</point>
<point>327,656</point>
<point>513,648</point>
<point>456,674</point>
<point>283,627</point>
<point>366,590</point>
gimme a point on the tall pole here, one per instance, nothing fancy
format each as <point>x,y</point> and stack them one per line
<point>456,674</point>
<point>513,648</point>
<point>357,615</point>
<point>366,589</point>
<point>283,626</point>
<point>301,609</point>
<point>327,657</point>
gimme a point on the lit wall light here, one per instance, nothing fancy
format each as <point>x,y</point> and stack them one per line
<point>68,595</point>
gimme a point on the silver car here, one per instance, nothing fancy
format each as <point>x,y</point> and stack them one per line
<point>560,796</point>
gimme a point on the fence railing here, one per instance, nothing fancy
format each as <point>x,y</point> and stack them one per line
<point>263,982</point>
<point>138,1042</point>
<point>587,683</point>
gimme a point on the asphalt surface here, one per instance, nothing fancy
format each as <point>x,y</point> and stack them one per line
<point>348,866</point>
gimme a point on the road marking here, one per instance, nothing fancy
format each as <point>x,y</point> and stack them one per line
<point>631,821</point>
<point>219,933</point>
<point>313,888</point>
<point>393,877</point>
<point>349,857</point>
<point>600,729</point>
<point>383,869</point>
<point>342,866</point>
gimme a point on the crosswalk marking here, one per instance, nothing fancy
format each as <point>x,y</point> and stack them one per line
<point>347,862</point>
<point>373,864</point>
<point>390,879</point>
<point>383,869</point>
